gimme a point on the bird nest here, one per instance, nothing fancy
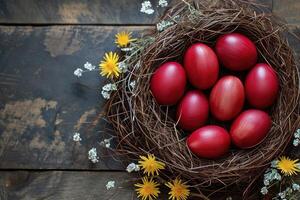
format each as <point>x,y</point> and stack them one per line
<point>142,126</point>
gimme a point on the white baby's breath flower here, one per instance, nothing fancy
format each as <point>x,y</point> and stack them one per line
<point>163,3</point>
<point>106,142</point>
<point>296,142</point>
<point>105,94</point>
<point>109,87</point>
<point>264,190</point>
<point>126,49</point>
<point>89,66</point>
<point>93,155</point>
<point>78,72</point>
<point>132,167</point>
<point>296,187</point>
<point>76,137</point>
<point>297,133</point>
<point>110,185</point>
<point>132,84</point>
<point>274,163</point>
<point>123,67</point>
<point>107,90</point>
<point>162,25</point>
<point>147,8</point>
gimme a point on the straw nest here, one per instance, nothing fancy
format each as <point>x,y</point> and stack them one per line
<point>142,126</point>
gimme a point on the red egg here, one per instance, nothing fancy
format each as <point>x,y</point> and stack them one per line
<point>227,98</point>
<point>201,64</point>
<point>192,112</point>
<point>168,83</point>
<point>209,142</point>
<point>261,86</point>
<point>236,52</point>
<point>250,128</point>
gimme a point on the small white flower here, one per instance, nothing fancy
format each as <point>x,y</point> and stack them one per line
<point>76,137</point>
<point>162,25</point>
<point>93,155</point>
<point>297,133</point>
<point>264,190</point>
<point>296,187</point>
<point>281,195</point>
<point>266,182</point>
<point>163,3</point>
<point>89,66</point>
<point>106,142</point>
<point>132,84</point>
<point>109,87</point>
<point>296,142</point>
<point>110,185</point>
<point>126,49</point>
<point>132,167</point>
<point>123,67</point>
<point>78,72</point>
<point>274,163</point>
<point>105,94</point>
<point>147,8</point>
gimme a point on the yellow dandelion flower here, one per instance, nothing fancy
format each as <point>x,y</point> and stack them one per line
<point>178,190</point>
<point>109,66</point>
<point>123,39</point>
<point>148,189</point>
<point>150,165</point>
<point>287,166</point>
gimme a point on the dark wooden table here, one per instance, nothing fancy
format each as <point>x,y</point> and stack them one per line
<point>42,103</point>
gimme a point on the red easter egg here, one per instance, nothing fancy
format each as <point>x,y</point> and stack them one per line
<point>236,52</point>
<point>192,112</point>
<point>250,128</point>
<point>227,98</point>
<point>261,86</point>
<point>168,83</point>
<point>201,64</point>
<point>209,142</point>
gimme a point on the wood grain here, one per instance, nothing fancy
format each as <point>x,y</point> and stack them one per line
<point>59,185</point>
<point>289,10</point>
<point>43,103</point>
<point>83,11</point>
<point>76,12</point>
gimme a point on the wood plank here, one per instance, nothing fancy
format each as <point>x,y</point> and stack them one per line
<point>54,185</point>
<point>76,12</point>
<point>77,185</point>
<point>42,103</point>
<point>289,10</point>
<point>83,11</point>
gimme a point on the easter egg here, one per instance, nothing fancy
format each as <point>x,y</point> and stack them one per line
<point>168,83</point>
<point>236,52</point>
<point>192,111</point>
<point>227,98</point>
<point>261,86</point>
<point>250,128</point>
<point>201,65</point>
<point>209,142</point>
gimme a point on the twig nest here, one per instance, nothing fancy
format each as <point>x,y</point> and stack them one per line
<point>143,126</point>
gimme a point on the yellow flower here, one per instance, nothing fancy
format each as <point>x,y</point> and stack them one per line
<point>150,165</point>
<point>148,189</point>
<point>178,190</point>
<point>123,39</point>
<point>109,66</point>
<point>287,166</point>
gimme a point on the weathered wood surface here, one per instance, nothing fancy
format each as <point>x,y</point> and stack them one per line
<point>76,11</point>
<point>65,185</point>
<point>82,11</point>
<point>289,10</point>
<point>43,103</point>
